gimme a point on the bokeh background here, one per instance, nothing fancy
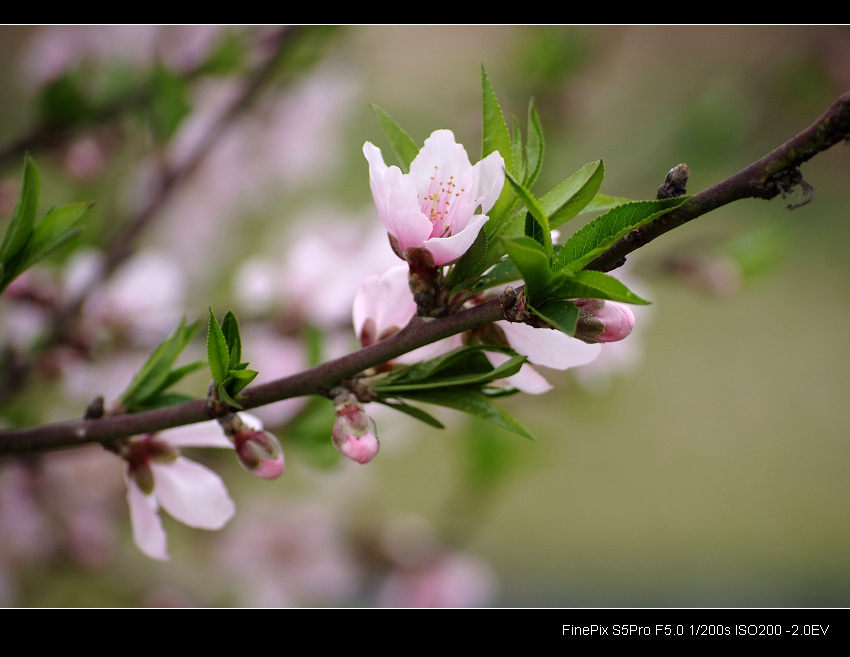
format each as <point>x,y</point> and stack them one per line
<point>703,463</point>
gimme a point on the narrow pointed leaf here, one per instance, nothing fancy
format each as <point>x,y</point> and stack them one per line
<point>23,217</point>
<point>535,147</point>
<point>595,237</point>
<point>230,329</point>
<point>503,371</point>
<point>217,352</point>
<point>570,197</point>
<point>531,260</point>
<point>560,313</point>
<point>404,147</point>
<point>592,285</point>
<point>413,411</point>
<point>517,151</point>
<point>534,209</point>
<point>473,402</point>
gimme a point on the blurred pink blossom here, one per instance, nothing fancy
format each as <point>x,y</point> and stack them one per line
<point>434,206</point>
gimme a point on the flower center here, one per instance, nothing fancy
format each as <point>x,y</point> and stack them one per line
<point>437,204</point>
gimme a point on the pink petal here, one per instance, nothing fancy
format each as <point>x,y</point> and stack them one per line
<point>192,494</point>
<point>147,527</point>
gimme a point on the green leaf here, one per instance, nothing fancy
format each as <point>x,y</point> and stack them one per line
<point>217,352</point>
<point>503,371</point>
<point>155,376</point>
<point>404,147</point>
<point>595,237</point>
<point>473,402</point>
<point>570,197</point>
<point>460,361</point>
<point>54,229</point>
<point>517,151</point>
<point>496,136</point>
<point>560,313</point>
<point>413,411</point>
<point>175,375</point>
<point>603,203</point>
<point>230,329</point>
<point>531,260</point>
<point>170,103</point>
<point>238,380</point>
<point>534,209</point>
<point>535,147</point>
<point>591,285</point>
<point>23,217</point>
<point>225,397</point>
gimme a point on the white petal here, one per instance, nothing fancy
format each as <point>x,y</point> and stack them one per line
<point>549,347</point>
<point>489,176</point>
<point>147,527</point>
<point>202,434</point>
<point>192,494</point>
<point>528,380</point>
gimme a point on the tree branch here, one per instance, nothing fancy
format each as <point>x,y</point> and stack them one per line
<point>776,173</point>
<point>315,381</point>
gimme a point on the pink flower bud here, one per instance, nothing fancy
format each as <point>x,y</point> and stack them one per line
<point>603,321</point>
<point>355,434</point>
<point>618,320</point>
<point>259,452</point>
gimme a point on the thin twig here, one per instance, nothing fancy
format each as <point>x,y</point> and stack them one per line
<point>774,174</point>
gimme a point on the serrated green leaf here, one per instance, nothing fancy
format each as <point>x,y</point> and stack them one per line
<point>460,361</point>
<point>238,380</point>
<point>535,147</point>
<point>413,411</point>
<point>54,229</point>
<point>560,313</point>
<point>503,371</point>
<point>595,237</point>
<point>570,197</point>
<point>534,209</point>
<point>155,376</point>
<point>517,152</point>
<point>404,147</point>
<point>217,352</point>
<point>603,203</point>
<point>531,260</point>
<point>175,375</point>
<point>230,329</point>
<point>473,402</point>
<point>23,216</point>
<point>496,136</point>
<point>584,284</point>
<point>163,400</point>
<point>225,397</point>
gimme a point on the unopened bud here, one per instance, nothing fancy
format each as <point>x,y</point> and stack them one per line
<point>355,434</point>
<point>259,452</point>
<point>603,321</point>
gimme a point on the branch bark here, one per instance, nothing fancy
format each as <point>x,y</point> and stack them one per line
<point>774,174</point>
